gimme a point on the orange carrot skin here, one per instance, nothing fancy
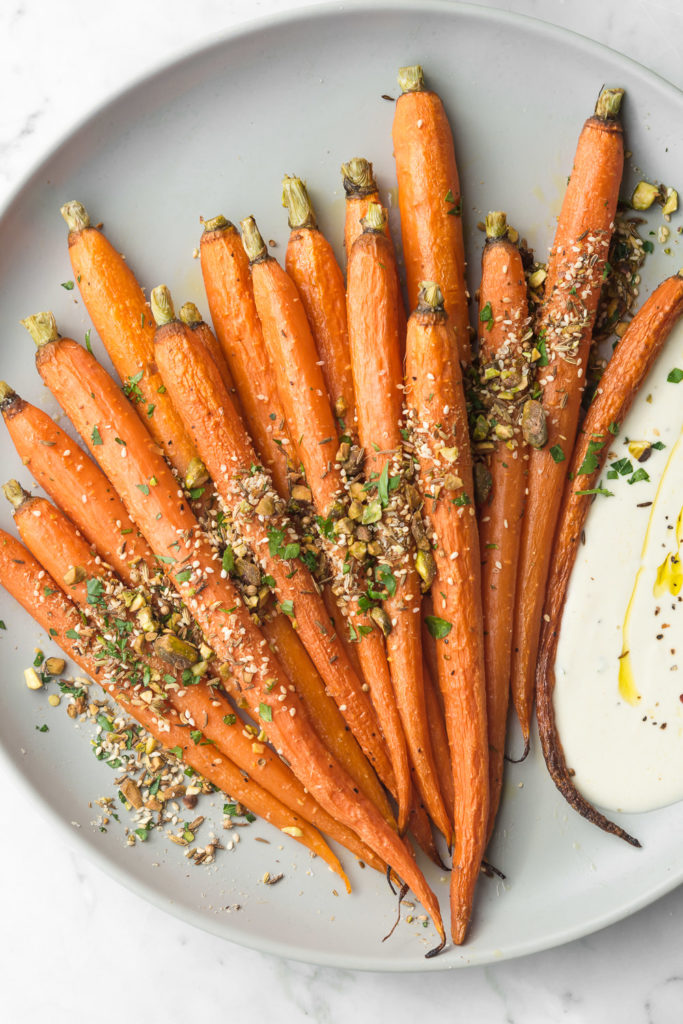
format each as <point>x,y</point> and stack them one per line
<point>589,206</point>
<point>326,718</point>
<point>54,612</point>
<point>77,485</point>
<point>122,318</point>
<point>430,204</point>
<point>206,337</point>
<point>74,376</point>
<point>313,267</point>
<point>439,738</point>
<point>628,367</point>
<point>227,281</point>
<point>226,449</point>
<point>55,542</point>
<point>503,287</point>
<point>374,332</point>
<point>434,394</point>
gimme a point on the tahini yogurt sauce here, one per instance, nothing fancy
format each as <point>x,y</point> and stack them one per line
<point>619,666</point>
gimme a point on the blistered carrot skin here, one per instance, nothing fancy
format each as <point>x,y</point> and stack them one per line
<point>439,435</point>
<point>310,419</point>
<point>60,549</point>
<point>505,355</point>
<point>430,201</point>
<point>75,483</point>
<point>27,582</point>
<point>374,335</point>
<point>628,367</point>
<point>312,265</point>
<point>572,289</point>
<point>122,318</point>
<point>213,423</point>
<point>227,281</point>
<point>149,490</point>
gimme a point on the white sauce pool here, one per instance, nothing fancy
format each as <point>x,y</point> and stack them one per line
<point>625,743</point>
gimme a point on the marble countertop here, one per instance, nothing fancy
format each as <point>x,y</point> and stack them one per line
<point>75,945</point>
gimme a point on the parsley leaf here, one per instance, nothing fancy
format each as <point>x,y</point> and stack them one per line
<point>438,628</point>
<point>557,453</point>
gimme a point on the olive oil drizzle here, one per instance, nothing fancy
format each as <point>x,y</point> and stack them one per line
<point>669,575</point>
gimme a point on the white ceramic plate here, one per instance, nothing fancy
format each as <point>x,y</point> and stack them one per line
<point>214,132</point>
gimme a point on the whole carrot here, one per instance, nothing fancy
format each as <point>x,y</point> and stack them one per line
<point>574,278</point>
<point>312,265</point>
<point>215,426</point>
<point>632,360</point>
<point>75,483</point>
<point>227,282</point>
<point>505,372</point>
<point>440,439</point>
<point>57,545</point>
<point>122,318</point>
<point>22,576</point>
<point>309,416</point>
<point>430,201</point>
<point>147,487</point>
<point>374,335</point>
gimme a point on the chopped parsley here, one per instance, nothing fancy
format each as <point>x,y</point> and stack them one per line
<point>96,437</point>
<point>557,453</point>
<point>438,628</point>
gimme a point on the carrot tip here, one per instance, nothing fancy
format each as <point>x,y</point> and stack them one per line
<point>297,201</point>
<point>437,949</point>
<point>430,297</point>
<point>6,393</point>
<point>15,493</point>
<point>254,246</point>
<point>358,177</point>
<point>218,223</point>
<point>189,314</point>
<point>525,753</point>
<point>42,327</point>
<point>411,79</point>
<point>161,304</point>
<point>75,215</point>
<point>375,219</point>
<point>496,224</point>
<point>609,104</point>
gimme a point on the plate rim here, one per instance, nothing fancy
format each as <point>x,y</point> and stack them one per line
<point>458,957</point>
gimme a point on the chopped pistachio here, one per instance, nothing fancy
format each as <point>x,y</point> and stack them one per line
<point>426,568</point>
<point>537,278</point>
<point>381,619</point>
<point>266,506</point>
<point>670,202</point>
<point>33,680</point>
<point>644,195</point>
<point>74,574</point>
<point>640,450</point>
<point>534,426</point>
<point>358,550</point>
<point>55,666</point>
<point>355,510</point>
<point>449,454</point>
<point>301,493</point>
<point>177,652</point>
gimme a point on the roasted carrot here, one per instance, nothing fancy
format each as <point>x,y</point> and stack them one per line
<point>312,265</point>
<point>60,549</point>
<point>190,315</point>
<point>429,200</point>
<point>75,483</point>
<point>309,417</point>
<point>378,380</point>
<point>217,430</point>
<point>22,576</point>
<point>227,282</point>
<point>437,734</point>
<point>505,377</point>
<point>121,316</point>
<point>149,490</point>
<point>572,289</point>
<point>632,360</point>
<point>440,439</point>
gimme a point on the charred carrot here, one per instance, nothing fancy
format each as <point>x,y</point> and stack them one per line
<point>440,438</point>
<point>57,545</point>
<point>572,289</point>
<point>505,372</point>
<point>374,336</point>
<point>627,369</point>
<point>75,483</point>
<point>430,201</point>
<point>227,282</point>
<point>22,576</point>
<point>190,315</point>
<point>122,318</point>
<point>149,490</point>
<point>309,416</point>
<point>312,265</point>
<point>217,430</point>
